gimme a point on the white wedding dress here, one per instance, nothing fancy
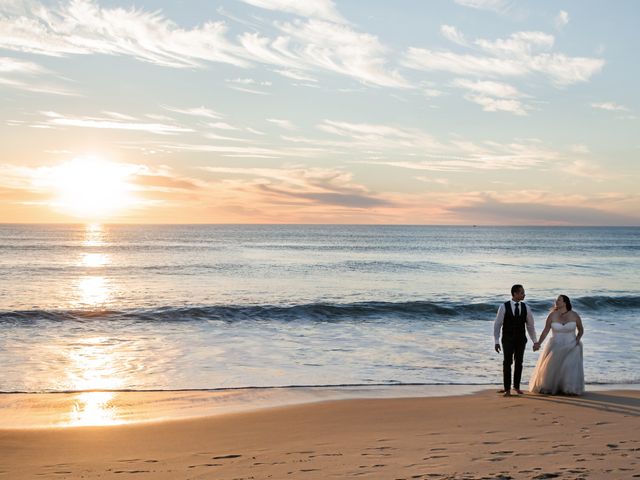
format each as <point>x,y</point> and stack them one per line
<point>559,368</point>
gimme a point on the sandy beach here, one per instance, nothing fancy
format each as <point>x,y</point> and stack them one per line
<point>476,436</point>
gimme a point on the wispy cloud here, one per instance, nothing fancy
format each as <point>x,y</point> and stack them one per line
<point>57,119</point>
<point>520,54</point>
<point>561,20</point>
<point>304,186</point>
<point>453,34</point>
<point>543,208</point>
<point>222,126</point>
<point>414,149</point>
<point>237,151</point>
<point>499,6</point>
<point>493,96</point>
<point>195,111</point>
<point>286,124</point>
<point>83,27</point>
<point>610,106</point>
<point>320,41</point>
<point>23,75</point>
<point>320,9</point>
<point>36,87</point>
<point>244,84</point>
<point>316,44</point>
<point>14,65</point>
<point>295,75</point>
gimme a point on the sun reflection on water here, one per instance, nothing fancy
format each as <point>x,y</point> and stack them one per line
<point>94,235</point>
<point>93,290</point>
<point>94,260</point>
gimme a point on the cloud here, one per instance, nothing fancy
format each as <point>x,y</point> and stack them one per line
<point>236,151</point>
<point>56,119</point>
<point>13,72</point>
<point>286,124</point>
<point>241,84</point>
<point>582,168</point>
<point>498,6</point>
<point>222,126</point>
<point>195,111</point>
<point>164,182</point>
<point>81,27</point>
<point>248,90</point>
<point>453,35</point>
<point>13,65</point>
<point>382,138</point>
<point>320,9</point>
<point>295,75</point>
<point>316,44</point>
<point>520,54</point>
<point>36,87</point>
<point>493,96</point>
<point>561,20</point>
<point>303,186</point>
<point>610,106</point>
<point>541,210</point>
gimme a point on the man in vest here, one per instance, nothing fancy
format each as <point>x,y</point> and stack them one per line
<point>513,318</point>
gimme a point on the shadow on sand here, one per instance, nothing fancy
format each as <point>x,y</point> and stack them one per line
<point>606,402</point>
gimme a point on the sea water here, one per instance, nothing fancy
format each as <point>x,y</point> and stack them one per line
<point>139,307</point>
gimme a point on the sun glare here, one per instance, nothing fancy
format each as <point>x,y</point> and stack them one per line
<point>91,188</point>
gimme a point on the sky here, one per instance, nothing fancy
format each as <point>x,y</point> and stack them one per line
<point>487,112</point>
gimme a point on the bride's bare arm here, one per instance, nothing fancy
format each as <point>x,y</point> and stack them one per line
<point>545,332</point>
<point>580,328</point>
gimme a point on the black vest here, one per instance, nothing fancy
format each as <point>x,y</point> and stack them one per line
<point>513,327</point>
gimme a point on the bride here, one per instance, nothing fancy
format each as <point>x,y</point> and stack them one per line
<point>559,368</point>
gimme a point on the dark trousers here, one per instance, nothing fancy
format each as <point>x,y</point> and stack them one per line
<point>513,350</point>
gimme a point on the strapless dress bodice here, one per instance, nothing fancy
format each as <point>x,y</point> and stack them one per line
<point>569,327</point>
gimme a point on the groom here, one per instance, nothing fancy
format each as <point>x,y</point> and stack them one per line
<point>513,318</point>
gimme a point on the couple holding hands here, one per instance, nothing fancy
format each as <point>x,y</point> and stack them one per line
<point>559,369</point>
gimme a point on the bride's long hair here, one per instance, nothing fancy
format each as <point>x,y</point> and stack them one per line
<point>567,303</point>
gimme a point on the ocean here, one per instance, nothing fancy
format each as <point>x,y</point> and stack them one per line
<point>172,307</point>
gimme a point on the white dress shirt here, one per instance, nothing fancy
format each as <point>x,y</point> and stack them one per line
<point>497,325</point>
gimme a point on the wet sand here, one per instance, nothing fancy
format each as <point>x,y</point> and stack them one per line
<point>475,436</point>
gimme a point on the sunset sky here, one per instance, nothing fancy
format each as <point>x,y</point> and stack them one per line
<point>320,111</point>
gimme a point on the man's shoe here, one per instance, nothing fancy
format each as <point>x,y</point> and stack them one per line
<point>507,394</point>
<point>518,391</point>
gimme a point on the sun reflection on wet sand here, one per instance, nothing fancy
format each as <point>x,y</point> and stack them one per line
<point>92,366</point>
<point>94,408</point>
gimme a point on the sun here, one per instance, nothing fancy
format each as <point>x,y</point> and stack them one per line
<point>91,188</point>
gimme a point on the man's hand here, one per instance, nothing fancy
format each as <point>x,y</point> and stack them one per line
<point>498,347</point>
<point>536,346</point>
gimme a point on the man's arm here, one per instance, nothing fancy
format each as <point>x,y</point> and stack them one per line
<point>497,326</point>
<point>531,328</point>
